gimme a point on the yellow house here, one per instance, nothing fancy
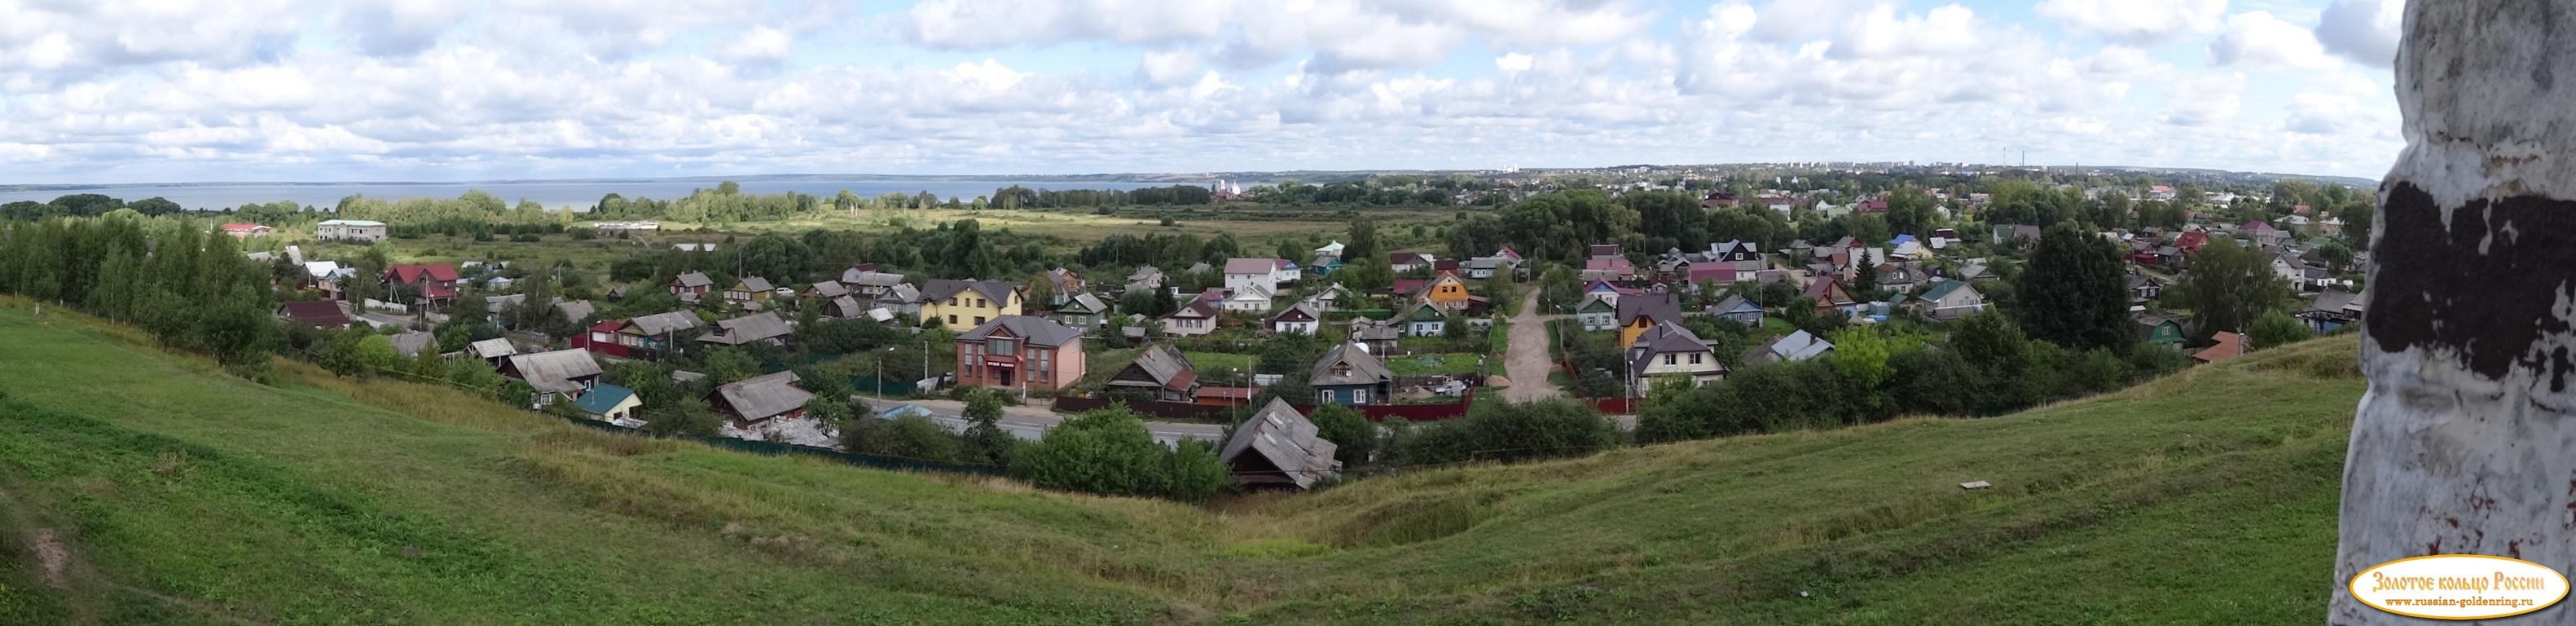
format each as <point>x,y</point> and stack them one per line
<point>1445,292</point>
<point>970,303</point>
<point>1642,312</point>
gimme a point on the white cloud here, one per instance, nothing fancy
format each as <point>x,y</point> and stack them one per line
<point>2258,40</point>
<point>2134,21</point>
<point>2204,100</point>
<point>2362,30</point>
<point>307,89</point>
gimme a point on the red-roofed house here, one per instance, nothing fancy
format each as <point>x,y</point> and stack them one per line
<point>2192,241</point>
<point>436,282</point>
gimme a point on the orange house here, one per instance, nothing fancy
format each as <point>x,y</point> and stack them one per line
<point>1444,292</point>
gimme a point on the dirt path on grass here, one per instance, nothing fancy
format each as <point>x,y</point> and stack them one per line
<point>1527,360</point>
<point>51,556</point>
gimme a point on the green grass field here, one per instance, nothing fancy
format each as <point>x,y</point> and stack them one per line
<point>174,494</point>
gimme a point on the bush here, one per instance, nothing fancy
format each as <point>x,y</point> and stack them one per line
<point>1195,473</point>
<point>1354,437</point>
<point>1511,432</point>
<point>915,437</point>
<point>1105,451</point>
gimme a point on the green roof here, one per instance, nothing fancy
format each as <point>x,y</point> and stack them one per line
<point>1943,289</point>
<point>603,398</point>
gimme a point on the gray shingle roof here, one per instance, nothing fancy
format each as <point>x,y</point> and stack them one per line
<point>1085,302</point>
<point>1365,368</point>
<point>747,329</point>
<point>1037,331</point>
<point>555,371</point>
<point>1163,366</point>
<point>830,289</point>
<point>576,310</point>
<point>994,290</point>
<point>491,348</point>
<point>694,279</point>
<point>1662,307</point>
<point>764,397</point>
<point>411,344</point>
<point>662,323</point>
<point>1288,441</point>
<point>755,283</point>
<point>1664,338</point>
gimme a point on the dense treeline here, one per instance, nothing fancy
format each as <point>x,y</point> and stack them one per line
<point>1384,192</point>
<point>191,288</point>
<point>1985,367</point>
<point>85,205</point>
<point>1018,197</point>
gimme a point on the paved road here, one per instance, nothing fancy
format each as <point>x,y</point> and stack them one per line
<point>1526,361</point>
<point>1031,422</point>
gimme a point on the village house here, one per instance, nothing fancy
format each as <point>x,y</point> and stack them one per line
<point>642,337</point>
<point>751,293</point>
<point>825,290</point>
<point>1445,292</point>
<point>690,287</point>
<point>1350,375</point>
<point>848,307</point>
<point>1950,300</point>
<point>1279,449</point>
<point>1481,268</point>
<point>1425,320</point>
<point>492,351</point>
<point>1739,310</point>
<point>2333,309</point>
<point>612,404</point>
<point>1161,373</point>
<point>1598,313</point>
<point>1331,297</point>
<point>2225,345</point>
<point>1249,299</point>
<point>557,374</point>
<point>1798,346</point>
<point>869,283</point>
<point>359,231</point>
<point>757,328</point>
<point>247,231</point>
<point>760,400</point>
<point>1145,278</point>
<point>1734,250</point>
<point>1195,318</point>
<point>1376,336</point>
<point>1829,296</point>
<point>1062,283</point>
<point>411,344</point>
<point>1083,312</point>
<point>1640,313</point>
<point>970,302</point>
<point>1410,262</point>
<point>2160,331</point>
<point>1609,268</point>
<point>1021,352</point>
<point>435,284</point>
<point>316,313</point>
<point>1302,318</point>
<point>1669,351</point>
<point>1245,273</point>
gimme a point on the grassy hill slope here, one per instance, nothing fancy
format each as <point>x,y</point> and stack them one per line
<point>166,492</point>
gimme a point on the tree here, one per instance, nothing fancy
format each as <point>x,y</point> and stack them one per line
<point>1354,437</point>
<point>1363,243</point>
<point>1105,451</point>
<point>2275,329</point>
<point>916,437</point>
<point>728,365</point>
<point>1196,473</point>
<point>2073,293</point>
<point>985,440</point>
<point>2228,286</point>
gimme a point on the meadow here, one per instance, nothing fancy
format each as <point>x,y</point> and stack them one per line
<point>141,486</point>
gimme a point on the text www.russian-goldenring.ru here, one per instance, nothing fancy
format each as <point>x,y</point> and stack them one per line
<point>2511,603</point>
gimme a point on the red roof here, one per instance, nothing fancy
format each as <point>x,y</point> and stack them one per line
<point>2230,345</point>
<point>412,273</point>
<point>1614,264</point>
<point>1718,271</point>
<point>322,313</point>
<point>2192,241</point>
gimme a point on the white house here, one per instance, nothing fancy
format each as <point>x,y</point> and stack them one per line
<point>1951,299</point>
<point>1249,299</point>
<point>1668,351</point>
<point>350,230</point>
<point>1303,318</point>
<point>1266,273</point>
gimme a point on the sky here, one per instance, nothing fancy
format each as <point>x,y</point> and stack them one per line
<point>130,91</point>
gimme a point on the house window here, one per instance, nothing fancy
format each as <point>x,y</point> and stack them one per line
<point>952,320</point>
<point>1360,396</point>
<point>1324,396</point>
<point>1669,359</point>
<point>1001,346</point>
<point>1694,358</point>
<point>980,303</point>
<point>952,301</point>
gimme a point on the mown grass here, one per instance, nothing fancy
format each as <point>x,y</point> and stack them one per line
<point>191,497</point>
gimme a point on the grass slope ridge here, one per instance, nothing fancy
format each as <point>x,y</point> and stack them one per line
<point>186,497</point>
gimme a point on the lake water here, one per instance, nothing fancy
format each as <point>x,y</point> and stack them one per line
<point>552,194</point>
